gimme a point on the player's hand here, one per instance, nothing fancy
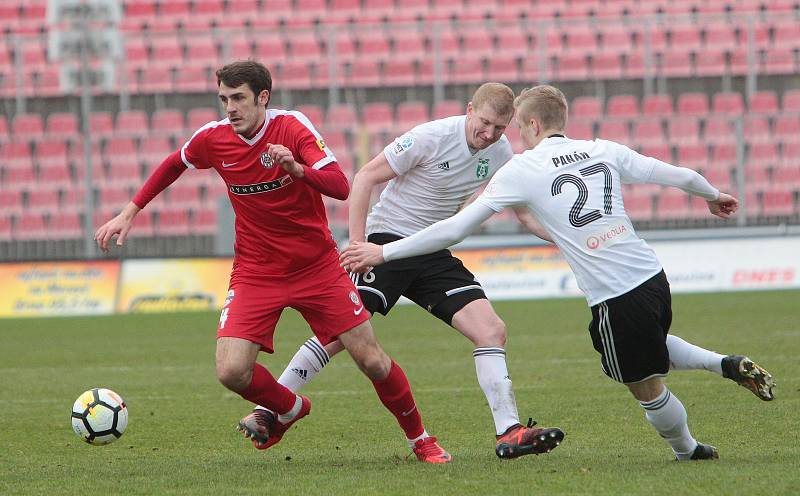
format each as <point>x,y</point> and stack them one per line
<point>283,157</point>
<point>119,225</point>
<point>361,257</point>
<point>724,206</point>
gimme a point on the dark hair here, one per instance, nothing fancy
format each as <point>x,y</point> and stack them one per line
<point>237,73</point>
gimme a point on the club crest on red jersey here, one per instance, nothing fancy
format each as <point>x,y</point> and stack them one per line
<point>266,160</point>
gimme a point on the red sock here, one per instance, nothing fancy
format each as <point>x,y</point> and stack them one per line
<point>264,390</point>
<point>395,394</point>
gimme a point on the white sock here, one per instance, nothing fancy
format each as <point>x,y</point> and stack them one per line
<point>309,360</point>
<point>288,416</point>
<point>490,365</point>
<point>686,356</point>
<point>412,442</point>
<point>667,414</point>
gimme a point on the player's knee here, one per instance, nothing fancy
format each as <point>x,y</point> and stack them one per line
<point>375,365</point>
<point>234,377</point>
<point>492,333</point>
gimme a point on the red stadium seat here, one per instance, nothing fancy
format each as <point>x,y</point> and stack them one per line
<point>411,113</point>
<point>763,102</point>
<point>167,121</point>
<point>791,101</point>
<point>730,103</point>
<point>763,154</point>
<point>62,125</point>
<point>202,50</point>
<point>623,106</point>
<point>101,124</point>
<point>64,225</point>
<point>513,40</point>
<point>503,68</point>
<point>30,226</point>
<point>477,42</point>
<point>683,130</point>
<point>659,151</point>
<point>672,204</point>
<point>657,105</point>
<point>173,222</point>
<point>27,127</point>
<point>787,127</point>
<point>304,46</point>
<point>204,221</point>
<point>364,73</point>
<point>582,129</point>
<point>586,107</point>
<point>710,62</point>
<point>51,151</point>
<point>720,35</point>
<point>614,130</point>
<point>572,66</point>
<point>647,131</point>
<point>683,38</point>
<point>778,61</point>
<point>194,79</point>
<point>778,203</point>
<point>448,108</point>
<point>372,45</point>
<point>156,79</point>
<point>756,129</point>
<point>198,117</point>
<point>131,123</point>
<point>719,129</point>
<point>378,115</point>
<point>154,148</point>
<point>465,70</point>
<point>400,72</point>
<point>407,45</point>
<point>693,156</point>
<point>693,104</point>
<point>314,113</point>
<point>341,115</point>
<point>16,154</point>
<point>724,155</point>
<point>675,64</point>
<point>119,147</point>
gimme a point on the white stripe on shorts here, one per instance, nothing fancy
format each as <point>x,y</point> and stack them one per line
<point>607,337</point>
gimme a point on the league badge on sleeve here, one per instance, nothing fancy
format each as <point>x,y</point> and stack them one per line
<point>402,144</point>
<point>266,160</point>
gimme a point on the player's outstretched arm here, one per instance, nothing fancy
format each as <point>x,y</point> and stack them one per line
<point>724,206</point>
<point>442,234</point>
<point>118,226</point>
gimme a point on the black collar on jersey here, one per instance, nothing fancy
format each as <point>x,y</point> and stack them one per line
<point>556,136</point>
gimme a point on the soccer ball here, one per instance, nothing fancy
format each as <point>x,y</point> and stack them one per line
<point>99,416</point>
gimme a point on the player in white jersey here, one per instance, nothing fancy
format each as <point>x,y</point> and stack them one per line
<point>433,171</point>
<point>573,188</point>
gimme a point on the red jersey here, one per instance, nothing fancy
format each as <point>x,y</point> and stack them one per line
<point>281,225</point>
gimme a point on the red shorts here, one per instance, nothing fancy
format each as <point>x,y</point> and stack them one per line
<point>323,293</point>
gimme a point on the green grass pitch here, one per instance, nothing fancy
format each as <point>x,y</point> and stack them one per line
<point>181,437</point>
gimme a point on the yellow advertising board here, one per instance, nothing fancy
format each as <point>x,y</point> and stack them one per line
<point>512,259</point>
<point>164,285</point>
<point>58,288</point>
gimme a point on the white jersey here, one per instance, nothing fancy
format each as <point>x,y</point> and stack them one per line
<point>436,174</point>
<point>574,187</point>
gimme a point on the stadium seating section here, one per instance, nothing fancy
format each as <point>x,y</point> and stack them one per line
<point>173,46</point>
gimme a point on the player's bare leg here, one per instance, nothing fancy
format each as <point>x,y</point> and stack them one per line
<point>667,415</point>
<point>393,389</point>
<point>478,321</point>
<point>238,371</point>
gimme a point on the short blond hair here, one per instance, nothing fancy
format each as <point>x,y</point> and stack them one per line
<point>497,95</point>
<point>547,104</point>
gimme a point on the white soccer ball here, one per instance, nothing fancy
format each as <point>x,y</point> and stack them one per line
<point>99,416</point>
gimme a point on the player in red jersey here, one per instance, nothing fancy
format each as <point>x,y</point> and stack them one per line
<point>276,168</point>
